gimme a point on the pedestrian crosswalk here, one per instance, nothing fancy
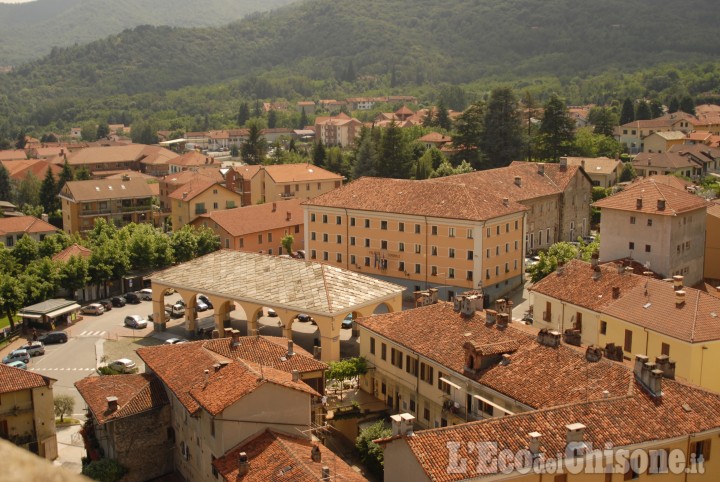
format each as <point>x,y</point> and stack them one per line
<point>43,369</point>
<point>92,333</point>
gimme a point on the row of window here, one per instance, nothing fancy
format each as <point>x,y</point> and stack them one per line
<point>631,246</point>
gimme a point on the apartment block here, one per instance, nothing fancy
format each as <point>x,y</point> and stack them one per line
<point>197,197</point>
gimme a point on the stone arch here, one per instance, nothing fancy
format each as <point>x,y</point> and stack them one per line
<point>382,308</point>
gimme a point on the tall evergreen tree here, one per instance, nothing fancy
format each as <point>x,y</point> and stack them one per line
<point>687,105</point>
<point>643,111</point>
<point>393,77</point>
<point>304,121</point>
<point>319,154</point>
<point>502,140</point>
<point>556,131</point>
<point>366,157</point>
<point>350,75</point>
<point>627,114</point>
<point>65,175</point>
<point>83,174</point>
<point>5,186</point>
<point>257,112</point>
<point>254,148</point>
<point>673,105</point>
<point>530,113</point>
<point>394,158</point>
<point>468,134</point>
<point>656,108</point>
<point>272,119</point>
<point>103,130</point>
<point>21,140</point>
<point>48,192</point>
<point>604,122</point>
<point>442,116</point>
<point>243,114</point>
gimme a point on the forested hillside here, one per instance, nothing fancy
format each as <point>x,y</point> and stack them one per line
<point>30,30</point>
<point>586,50</point>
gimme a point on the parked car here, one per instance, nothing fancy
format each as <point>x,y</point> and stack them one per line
<point>34,348</point>
<point>17,364</point>
<point>347,323</point>
<point>132,298</point>
<point>205,300</point>
<point>123,365</point>
<point>200,305</point>
<point>145,294</point>
<point>300,254</point>
<point>135,321</point>
<point>175,341</point>
<point>118,301</point>
<point>92,309</point>
<point>106,304</point>
<point>304,317</point>
<point>176,310</point>
<point>271,313</point>
<point>15,355</point>
<point>53,337</point>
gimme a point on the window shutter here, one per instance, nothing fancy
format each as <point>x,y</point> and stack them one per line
<point>706,450</point>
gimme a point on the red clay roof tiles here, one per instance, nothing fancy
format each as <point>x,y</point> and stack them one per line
<point>135,393</point>
<point>675,201</point>
<point>16,379</point>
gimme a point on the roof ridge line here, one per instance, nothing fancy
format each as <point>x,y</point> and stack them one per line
<point>695,313</point>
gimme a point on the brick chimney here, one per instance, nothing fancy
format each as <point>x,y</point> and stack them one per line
<point>563,163</point>
<point>235,338</point>
<point>615,292</point>
<point>648,375</point>
<point>325,474</point>
<point>295,376</point>
<point>315,453</point>
<point>666,365</point>
<point>243,464</point>
<point>112,404</point>
<point>677,282</point>
<point>541,168</point>
<point>518,181</point>
<point>549,338</point>
<point>291,348</point>
<point>534,443</point>
<point>593,354</point>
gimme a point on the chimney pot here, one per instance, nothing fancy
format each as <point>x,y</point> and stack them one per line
<point>315,453</point>
<point>243,463</point>
<point>679,298</point>
<point>112,403</point>
<point>541,168</point>
<point>291,347</point>
<point>534,445</point>
<point>677,282</point>
<point>575,432</point>
<point>235,338</point>
<point>295,376</point>
<point>616,292</point>
<point>506,201</point>
<point>274,206</point>
<point>395,421</point>
<point>518,180</point>
<point>563,163</point>
<point>325,472</point>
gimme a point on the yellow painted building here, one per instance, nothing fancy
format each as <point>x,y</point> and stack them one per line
<point>27,414</point>
<point>198,197</point>
<point>712,243</point>
<point>420,234</point>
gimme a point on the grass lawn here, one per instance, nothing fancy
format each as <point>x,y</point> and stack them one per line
<point>5,322</point>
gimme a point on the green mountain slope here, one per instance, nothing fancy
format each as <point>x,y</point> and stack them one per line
<point>30,30</point>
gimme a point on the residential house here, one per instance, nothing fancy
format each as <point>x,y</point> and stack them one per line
<point>257,228</point>
<point>580,115</point>
<point>277,134</point>
<point>13,228</point>
<point>557,197</point>
<point>172,182</point>
<point>117,157</point>
<point>712,242</point>
<point>362,103</point>
<point>633,134</point>
<point>630,436</point>
<point>269,455</point>
<point>340,130</point>
<point>332,105</point>
<point>190,160</point>
<point>12,155</point>
<point>666,163</point>
<point>199,140</point>
<point>664,140</point>
<point>307,105</point>
<point>708,121</point>
<point>602,171</point>
<point>27,413</point>
<point>419,234</point>
<point>656,225</point>
<point>197,197</point>
<point>129,419</point>
<point>115,200</point>
<point>218,402</point>
<point>258,184</point>
<point>435,139</point>
<point>8,209</point>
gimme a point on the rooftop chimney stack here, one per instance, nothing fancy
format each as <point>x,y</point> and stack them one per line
<point>235,338</point>
<point>295,376</point>
<point>506,201</point>
<point>666,365</point>
<point>582,164</point>
<point>406,424</point>
<point>207,376</point>
<point>541,168</point>
<point>518,181</point>
<point>677,282</point>
<point>243,464</point>
<point>291,348</point>
<point>594,259</point>
<point>274,207</point>
<point>549,338</point>
<point>112,404</point>
<point>563,163</point>
<point>315,453</point>
<point>325,473</point>
<point>395,421</point>
<point>648,375</point>
<point>575,437</point>
<point>616,292</point>
<point>534,445</point>
<point>679,298</point>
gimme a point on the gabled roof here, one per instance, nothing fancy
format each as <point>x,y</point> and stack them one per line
<point>537,376</point>
<point>16,379</point>
<point>131,175</point>
<point>117,153</point>
<point>700,152</point>
<point>184,177</point>
<point>676,201</point>
<point>670,180</point>
<point>256,218</point>
<point>670,135</point>
<point>276,456</point>
<point>25,224</point>
<point>70,251</point>
<point>436,198</point>
<point>135,393</point>
<point>12,155</point>
<point>182,368</point>
<point>631,418</point>
<point>194,188</point>
<point>667,120</point>
<point>299,285</point>
<point>247,171</point>
<point>595,165</point>
<point>435,137</point>
<point>579,284</point>
<point>284,173</point>
<point>20,169</point>
<point>106,189</point>
<point>191,159</point>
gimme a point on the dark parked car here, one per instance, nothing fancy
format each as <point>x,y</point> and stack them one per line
<point>132,298</point>
<point>107,304</point>
<point>205,300</point>
<point>117,301</point>
<point>53,337</point>
<point>304,317</point>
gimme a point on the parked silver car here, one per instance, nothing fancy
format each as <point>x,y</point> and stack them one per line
<point>34,348</point>
<point>135,321</point>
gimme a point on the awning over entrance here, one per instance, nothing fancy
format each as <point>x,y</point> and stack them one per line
<point>62,311</point>
<point>32,316</point>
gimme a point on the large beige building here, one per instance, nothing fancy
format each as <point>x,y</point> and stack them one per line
<point>340,130</point>
<point>115,200</point>
<point>27,414</point>
<point>712,242</point>
<point>657,225</point>
<point>633,134</point>
<point>602,171</point>
<point>118,157</point>
<point>420,234</point>
<point>258,184</point>
<point>13,228</point>
<point>557,197</point>
<point>197,197</point>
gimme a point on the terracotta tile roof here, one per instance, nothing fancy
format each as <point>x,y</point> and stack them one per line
<point>135,393</point>
<point>266,351</point>
<point>191,159</point>
<point>714,209</point>
<point>670,180</point>
<point>282,173</point>
<point>632,418</point>
<point>700,135</point>
<point>106,189</point>
<point>700,152</point>
<point>667,160</point>
<point>537,376</point>
<point>652,305</point>
<point>444,199</point>
<point>435,137</point>
<point>184,177</point>
<point>671,135</point>
<point>404,110</point>
<point>182,368</point>
<point>70,251</point>
<point>248,171</point>
<point>131,174</point>
<point>15,379</point>
<point>256,218</point>
<point>580,285</point>
<point>665,121</point>
<point>194,188</point>
<point>25,224</point>
<point>277,456</point>
<point>553,181</point>
<point>595,165</point>
<point>13,155</point>
<point>117,153</point>
<point>676,201</point>
<point>19,169</point>
<point>229,384</point>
